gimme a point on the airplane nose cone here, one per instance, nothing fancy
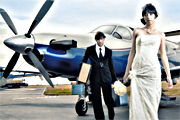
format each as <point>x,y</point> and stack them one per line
<point>9,43</point>
<point>20,43</point>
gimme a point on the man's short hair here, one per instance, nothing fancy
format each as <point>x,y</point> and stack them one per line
<point>99,35</point>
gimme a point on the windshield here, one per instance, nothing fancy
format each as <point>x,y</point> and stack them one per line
<point>122,32</point>
<point>105,29</point>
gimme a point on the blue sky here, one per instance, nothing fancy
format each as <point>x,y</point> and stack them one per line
<point>81,16</point>
<point>84,15</point>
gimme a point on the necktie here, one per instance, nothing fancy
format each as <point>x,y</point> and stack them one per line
<point>100,54</point>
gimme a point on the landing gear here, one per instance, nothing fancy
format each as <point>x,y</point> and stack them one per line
<point>81,107</point>
<point>174,80</point>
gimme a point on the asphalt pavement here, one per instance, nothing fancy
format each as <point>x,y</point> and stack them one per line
<point>31,104</point>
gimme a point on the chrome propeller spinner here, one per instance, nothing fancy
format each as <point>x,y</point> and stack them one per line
<point>20,43</point>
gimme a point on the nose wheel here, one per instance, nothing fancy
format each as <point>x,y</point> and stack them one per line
<point>81,107</point>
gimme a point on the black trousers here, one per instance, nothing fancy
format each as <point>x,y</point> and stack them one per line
<point>97,101</point>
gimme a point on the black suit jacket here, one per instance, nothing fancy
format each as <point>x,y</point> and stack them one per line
<point>101,69</point>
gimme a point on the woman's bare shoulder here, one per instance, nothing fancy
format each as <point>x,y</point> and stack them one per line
<point>138,31</point>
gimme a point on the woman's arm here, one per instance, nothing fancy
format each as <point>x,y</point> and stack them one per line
<point>164,60</point>
<point>131,57</point>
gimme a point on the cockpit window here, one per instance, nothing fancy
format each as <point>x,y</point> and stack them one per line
<point>122,33</point>
<point>105,29</point>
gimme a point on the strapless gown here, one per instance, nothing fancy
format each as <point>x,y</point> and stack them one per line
<point>145,79</point>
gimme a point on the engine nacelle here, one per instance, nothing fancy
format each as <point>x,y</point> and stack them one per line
<point>63,44</point>
<point>39,54</point>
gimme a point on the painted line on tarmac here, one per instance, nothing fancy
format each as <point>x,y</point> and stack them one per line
<point>44,97</point>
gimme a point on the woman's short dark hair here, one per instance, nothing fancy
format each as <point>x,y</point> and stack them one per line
<point>99,35</point>
<point>148,8</point>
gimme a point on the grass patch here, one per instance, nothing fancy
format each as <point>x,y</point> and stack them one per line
<point>175,91</point>
<point>66,89</point>
<point>58,90</point>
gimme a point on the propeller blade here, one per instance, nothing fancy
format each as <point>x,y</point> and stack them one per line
<point>11,64</point>
<point>172,33</point>
<point>42,12</point>
<point>39,66</point>
<point>8,20</point>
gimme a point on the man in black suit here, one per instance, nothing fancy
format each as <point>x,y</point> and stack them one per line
<point>102,75</point>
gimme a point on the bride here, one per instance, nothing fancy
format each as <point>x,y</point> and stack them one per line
<point>146,73</point>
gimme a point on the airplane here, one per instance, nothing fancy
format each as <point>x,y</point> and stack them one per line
<point>60,55</point>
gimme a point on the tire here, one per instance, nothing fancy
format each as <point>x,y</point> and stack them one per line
<point>80,110</point>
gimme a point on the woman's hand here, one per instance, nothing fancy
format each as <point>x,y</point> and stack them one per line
<point>170,84</point>
<point>125,78</point>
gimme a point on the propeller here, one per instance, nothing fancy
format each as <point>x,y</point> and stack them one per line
<point>39,66</point>
<point>42,12</point>
<point>8,21</point>
<point>11,64</point>
<point>15,57</point>
<point>21,45</point>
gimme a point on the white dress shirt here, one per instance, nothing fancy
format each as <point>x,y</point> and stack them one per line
<point>102,50</point>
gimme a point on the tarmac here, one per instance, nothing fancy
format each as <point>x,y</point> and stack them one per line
<point>31,104</point>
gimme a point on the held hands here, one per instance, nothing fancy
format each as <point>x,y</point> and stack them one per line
<point>125,78</point>
<point>170,84</point>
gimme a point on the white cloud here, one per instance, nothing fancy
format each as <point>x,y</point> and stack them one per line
<point>70,16</point>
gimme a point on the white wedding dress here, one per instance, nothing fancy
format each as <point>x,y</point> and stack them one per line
<point>145,79</point>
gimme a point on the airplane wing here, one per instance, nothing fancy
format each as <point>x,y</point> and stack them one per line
<point>172,33</point>
<point>22,73</point>
<point>11,76</point>
<point>175,73</point>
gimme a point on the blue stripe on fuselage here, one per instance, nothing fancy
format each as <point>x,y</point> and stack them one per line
<point>67,62</point>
